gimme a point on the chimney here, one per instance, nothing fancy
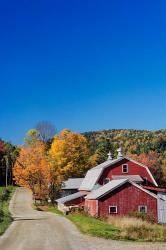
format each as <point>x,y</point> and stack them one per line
<point>120,153</point>
<point>109,156</point>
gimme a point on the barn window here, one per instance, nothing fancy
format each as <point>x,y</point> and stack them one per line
<point>124,168</point>
<point>105,181</point>
<point>113,209</point>
<point>142,209</point>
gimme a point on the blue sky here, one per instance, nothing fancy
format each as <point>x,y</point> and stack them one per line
<point>85,65</point>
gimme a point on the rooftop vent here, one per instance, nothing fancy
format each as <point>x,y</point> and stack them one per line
<point>109,156</point>
<point>120,153</point>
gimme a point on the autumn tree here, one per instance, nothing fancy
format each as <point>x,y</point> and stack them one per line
<point>151,160</point>
<point>32,135</point>
<point>69,155</point>
<point>32,169</point>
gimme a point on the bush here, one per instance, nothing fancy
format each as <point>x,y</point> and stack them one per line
<point>142,216</point>
<point>1,214</point>
<point>5,195</point>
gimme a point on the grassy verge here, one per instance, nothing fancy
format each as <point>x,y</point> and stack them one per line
<point>95,227</point>
<point>131,229</point>
<point>5,217</point>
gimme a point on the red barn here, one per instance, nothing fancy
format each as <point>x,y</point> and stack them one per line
<point>118,187</point>
<point>119,197</point>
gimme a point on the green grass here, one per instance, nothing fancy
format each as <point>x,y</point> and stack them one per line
<point>5,217</point>
<point>94,227</point>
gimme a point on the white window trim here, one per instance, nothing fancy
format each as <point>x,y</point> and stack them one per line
<point>127,168</point>
<point>146,209</point>
<point>114,212</point>
<point>106,179</point>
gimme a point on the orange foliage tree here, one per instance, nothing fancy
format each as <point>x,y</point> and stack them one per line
<point>148,159</point>
<point>151,160</point>
<point>32,169</point>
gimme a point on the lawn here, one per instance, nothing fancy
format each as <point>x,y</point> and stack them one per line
<point>5,217</point>
<point>126,228</point>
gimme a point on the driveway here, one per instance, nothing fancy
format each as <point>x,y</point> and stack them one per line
<point>34,230</point>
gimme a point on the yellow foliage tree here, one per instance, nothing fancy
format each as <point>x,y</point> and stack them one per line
<point>69,154</point>
<point>32,169</point>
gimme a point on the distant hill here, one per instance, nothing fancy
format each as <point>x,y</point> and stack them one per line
<point>133,141</point>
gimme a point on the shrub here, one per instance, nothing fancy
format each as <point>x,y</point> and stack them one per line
<point>1,214</point>
<point>5,195</point>
<point>142,216</point>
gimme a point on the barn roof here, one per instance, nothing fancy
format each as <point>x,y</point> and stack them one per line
<point>107,188</point>
<point>134,178</point>
<point>72,183</point>
<point>70,197</point>
<point>90,179</point>
<point>94,174</point>
<point>111,186</point>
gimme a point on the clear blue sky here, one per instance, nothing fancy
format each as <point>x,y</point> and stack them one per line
<point>85,65</point>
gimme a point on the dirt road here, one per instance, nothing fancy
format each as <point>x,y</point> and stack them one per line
<point>33,230</point>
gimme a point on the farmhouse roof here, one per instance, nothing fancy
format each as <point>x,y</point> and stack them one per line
<point>72,183</point>
<point>134,178</point>
<point>111,186</point>
<point>70,197</point>
<point>94,174</point>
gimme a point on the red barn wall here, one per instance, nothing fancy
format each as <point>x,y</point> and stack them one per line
<point>79,201</point>
<point>127,198</point>
<point>133,169</point>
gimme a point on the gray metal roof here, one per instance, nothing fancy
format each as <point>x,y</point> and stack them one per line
<point>72,183</point>
<point>94,174</point>
<point>107,188</point>
<point>106,164</point>
<point>90,179</point>
<point>134,178</point>
<point>70,197</point>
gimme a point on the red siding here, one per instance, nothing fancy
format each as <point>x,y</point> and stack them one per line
<point>127,198</point>
<point>133,169</point>
<point>79,201</point>
<point>91,206</point>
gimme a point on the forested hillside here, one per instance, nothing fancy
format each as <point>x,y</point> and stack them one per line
<point>148,147</point>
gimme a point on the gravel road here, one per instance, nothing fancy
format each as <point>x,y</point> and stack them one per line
<point>34,230</point>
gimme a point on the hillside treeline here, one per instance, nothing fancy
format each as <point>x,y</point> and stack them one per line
<point>43,163</point>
